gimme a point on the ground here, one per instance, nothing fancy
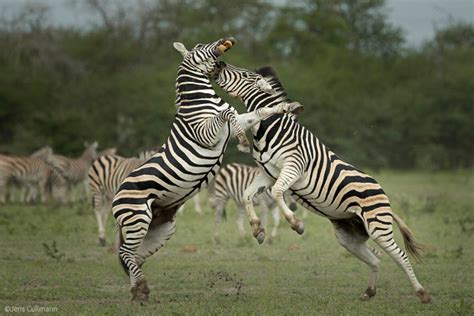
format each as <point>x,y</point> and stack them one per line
<point>50,258</point>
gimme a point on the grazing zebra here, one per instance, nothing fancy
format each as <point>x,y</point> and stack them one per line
<point>74,171</point>
<point>147,200</point>
<point>105,176</point>
<point>230,182</point>
<point>31,173</point>
<point>292,158</point>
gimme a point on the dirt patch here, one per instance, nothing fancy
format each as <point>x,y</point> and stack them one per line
<point>222,282</point>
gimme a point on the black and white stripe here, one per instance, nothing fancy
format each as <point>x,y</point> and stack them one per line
<point>292,158</point>
<point>146,202</point>
<point>229,184</point>
<point>105,176</point>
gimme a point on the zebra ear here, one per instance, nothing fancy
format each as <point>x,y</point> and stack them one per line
<point>180,48</point>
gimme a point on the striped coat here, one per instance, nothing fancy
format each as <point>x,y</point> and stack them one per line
<point>292,158</point>
<point>146,202</point>
<point>105,176</point>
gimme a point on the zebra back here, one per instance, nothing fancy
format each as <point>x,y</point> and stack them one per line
<point>74,170</point>
<point>231,181</point>
<point>107,173</point>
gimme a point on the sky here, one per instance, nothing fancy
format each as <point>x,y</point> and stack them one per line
<point>418,18</point>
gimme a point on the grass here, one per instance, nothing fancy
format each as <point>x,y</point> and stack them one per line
<point>50,258</point>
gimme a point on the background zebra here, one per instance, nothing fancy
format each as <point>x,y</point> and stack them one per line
<point>105,176</point>
<point>292,158</point>
<point>147,200</point>
<point>230,182</point>
<point>73,171</point>
<point>29,173</point>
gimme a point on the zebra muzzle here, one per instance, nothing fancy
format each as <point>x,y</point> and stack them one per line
<point>226,45</point>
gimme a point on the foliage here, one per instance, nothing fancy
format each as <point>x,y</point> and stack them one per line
<point>374,102</point>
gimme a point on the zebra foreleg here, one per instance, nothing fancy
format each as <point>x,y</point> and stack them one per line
<point>352,236</point>
<point>240,221</point>
<point>276,221</point>
<point>219,209</point>
<point>259,184</point>
<point>289,174</point>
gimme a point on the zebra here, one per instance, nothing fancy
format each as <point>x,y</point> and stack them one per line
<point>230,182</point>
<point>29,172</point>
<point>73,171</point>
<point>146,203</point>
<point>105,176</point>
<point>292,158</point>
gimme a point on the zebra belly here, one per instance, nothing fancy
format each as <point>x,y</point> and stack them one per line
<point>309,201</point>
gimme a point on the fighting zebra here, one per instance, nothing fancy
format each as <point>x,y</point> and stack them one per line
<point>105,176</point>
<point>29,172</point>
<point>230,182</point>
<point>292,158</point>
<point>147,200</point>
<point>73,171</point>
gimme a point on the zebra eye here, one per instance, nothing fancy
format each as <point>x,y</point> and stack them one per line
<point>245,75</point>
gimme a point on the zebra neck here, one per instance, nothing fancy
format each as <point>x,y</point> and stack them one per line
<point>192,85</point>
<point>263,100</point>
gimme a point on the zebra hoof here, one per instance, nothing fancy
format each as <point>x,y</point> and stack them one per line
<point>369,292</point>
<point>102,242</point>
<point>140,292</point>
<point>364,297</point>
<point>424,296</point>
<point>298,227</point>
<point>260,235</point>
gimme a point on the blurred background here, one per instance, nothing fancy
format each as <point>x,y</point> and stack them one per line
<point>385,84</point>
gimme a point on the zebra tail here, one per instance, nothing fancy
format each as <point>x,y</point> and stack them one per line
<point>414,248</point>
<point>118,233</point>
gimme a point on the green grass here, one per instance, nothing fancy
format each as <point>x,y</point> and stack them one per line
<point>308,274</point>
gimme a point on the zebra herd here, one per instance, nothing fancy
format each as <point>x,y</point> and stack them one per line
<point>44,175</point>
<point>293,166</point>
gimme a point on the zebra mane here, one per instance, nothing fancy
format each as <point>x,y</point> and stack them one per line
<point>269,72</point>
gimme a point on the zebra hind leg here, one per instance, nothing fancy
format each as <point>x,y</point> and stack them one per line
<point>131,237</point>
<point>351,235</point>
<point>381,231</point>
<point>161,229</point>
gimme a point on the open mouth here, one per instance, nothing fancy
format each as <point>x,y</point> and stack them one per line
<point>225,45</point>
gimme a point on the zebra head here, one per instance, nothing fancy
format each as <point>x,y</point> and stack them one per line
<point>203,57</point>
<point>90,153</point>
<point>239,82</point>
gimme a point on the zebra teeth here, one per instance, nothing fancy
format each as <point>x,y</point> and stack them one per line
<point>222,48</point>
<point>228,44</point>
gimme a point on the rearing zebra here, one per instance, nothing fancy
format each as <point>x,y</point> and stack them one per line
<point>292,158</point>
<point>146,202</point>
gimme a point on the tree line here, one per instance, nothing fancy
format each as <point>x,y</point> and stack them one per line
<point>369,98</point>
